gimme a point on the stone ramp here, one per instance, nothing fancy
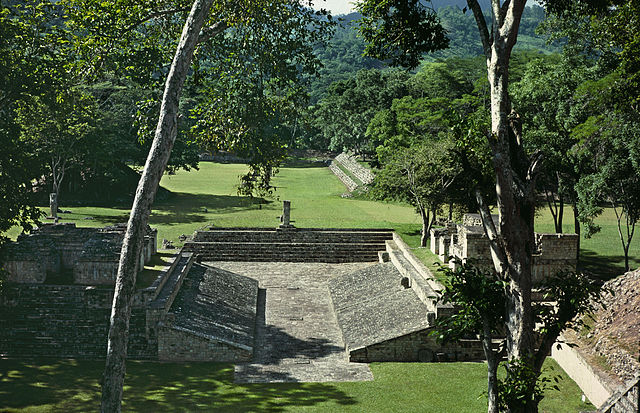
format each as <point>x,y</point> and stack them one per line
<point>373,307</point>
<point>212,317</point>
<point>297,334</point>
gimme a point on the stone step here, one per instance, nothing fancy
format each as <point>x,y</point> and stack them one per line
<point>284,237</point>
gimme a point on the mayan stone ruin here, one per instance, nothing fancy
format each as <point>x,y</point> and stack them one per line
<point>273,300</point>
<point>468,242</point>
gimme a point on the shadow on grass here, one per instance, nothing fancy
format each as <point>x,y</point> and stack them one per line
<point>73,386</point>
<point>602,267</point>
<point>303,163</point>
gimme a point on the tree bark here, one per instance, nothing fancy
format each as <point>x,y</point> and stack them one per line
<point>514,195</point>
<point>576,229</point>
<point>492,368</point>
<point>513,246</point>
<point>424,214</point>
<point>163,141</point>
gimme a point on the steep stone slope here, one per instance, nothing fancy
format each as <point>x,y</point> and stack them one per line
<point>613,342</point>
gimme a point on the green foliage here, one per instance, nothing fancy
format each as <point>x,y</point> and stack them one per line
<point>343,116</point>
<point>521,386</point>
<point>478,298</point>
<point>400,30</point>
<point>422,175</point>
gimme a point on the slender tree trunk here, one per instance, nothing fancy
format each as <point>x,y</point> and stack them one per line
<point>514,188</point>
<point>492,368</point>
<point>560,214</point>
<point>163,141</point>
<point>576,229</point>
<point>424,214</point>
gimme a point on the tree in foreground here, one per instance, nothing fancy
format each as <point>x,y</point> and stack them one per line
<point>404,29</point>
<point>479,297</point>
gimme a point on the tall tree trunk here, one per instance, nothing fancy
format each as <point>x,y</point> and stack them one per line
<point>516,209</point>
<point>424,214</point>
<point>576,229</point>
<point>513,246</point>
<point>163,141</point>
<point>492,368</point>
<point>560,213</point>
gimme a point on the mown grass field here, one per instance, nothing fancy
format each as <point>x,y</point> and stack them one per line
<point>73,386</point>
<point>208,197</point>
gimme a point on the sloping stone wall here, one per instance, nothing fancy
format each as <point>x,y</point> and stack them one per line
<point>344,178</point>
<point>360,172</point>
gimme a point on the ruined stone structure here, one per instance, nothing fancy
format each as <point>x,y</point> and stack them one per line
<point>361,175</point>
<point>468,242</point>
<point>197,310</point>
<point>89,255</point>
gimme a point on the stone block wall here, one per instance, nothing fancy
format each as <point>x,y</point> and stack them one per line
<point>346,180</point>
<point>95,272</point>
<point>363,174</point>
<point>179,345</point>
<point>557,246</point>
<point>64,321</point>
<point>418,346</point>
<point>91,253</point>
<point>29,271</point>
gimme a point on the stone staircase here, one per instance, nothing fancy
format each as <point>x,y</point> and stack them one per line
<point>289,245</point>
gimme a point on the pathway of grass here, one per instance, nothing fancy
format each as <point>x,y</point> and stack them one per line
<point>72,386</point>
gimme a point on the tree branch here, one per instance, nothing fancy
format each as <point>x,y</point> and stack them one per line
<point>492,233</point>
<point>482,26</point>
<point>155,15</point>
<point>209,32</point>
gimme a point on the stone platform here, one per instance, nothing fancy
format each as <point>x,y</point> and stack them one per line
<point>297,334</point>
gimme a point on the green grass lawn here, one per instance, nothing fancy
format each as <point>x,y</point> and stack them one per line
<point>209,197</point>
<point>73,386</point>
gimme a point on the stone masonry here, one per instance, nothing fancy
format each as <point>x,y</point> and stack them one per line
<point>468,242</point>
<point>91,255</point>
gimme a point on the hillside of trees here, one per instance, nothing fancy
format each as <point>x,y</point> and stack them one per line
<point>342,56</point>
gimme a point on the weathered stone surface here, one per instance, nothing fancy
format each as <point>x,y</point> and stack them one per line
<point>64,321</point>
<point>363,174</point>
<point>297,334</point>
<point>372,306</point>
<point>92,254</point>
<point>289,245</point>
<point>217,305</point>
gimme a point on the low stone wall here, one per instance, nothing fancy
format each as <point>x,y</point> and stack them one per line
<point>418,346</point>
<point>175,344</point>
<point>346,180</point>
<point>95,272</point>
<point>581,372</point>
